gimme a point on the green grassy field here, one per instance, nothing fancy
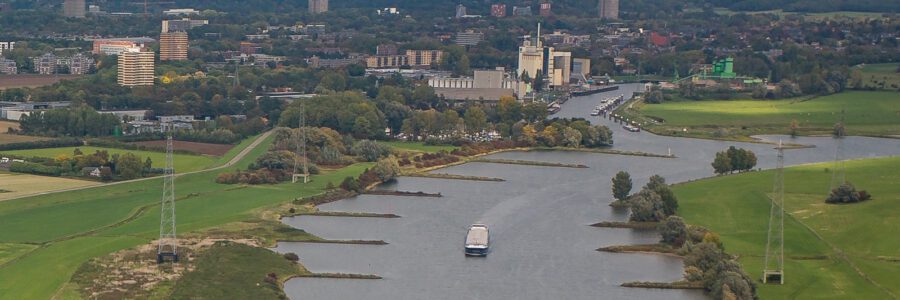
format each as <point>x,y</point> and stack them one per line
<point>881,76</point>
<point>183,162</point>
<point>417,146</point>
<point>867,113</point>
<point>72,227</point>
<point>737,207</point>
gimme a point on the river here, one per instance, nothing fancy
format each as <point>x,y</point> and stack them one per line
<point>541,246</point>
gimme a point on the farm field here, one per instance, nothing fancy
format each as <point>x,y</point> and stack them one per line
<point>31,80</point>
<point>855,236</point>
<point>867,113</point>
<point>73,227</point>
<point>183,162</point>
<point>18,185</point>
<point>195,147</point>
<point>13,138</point>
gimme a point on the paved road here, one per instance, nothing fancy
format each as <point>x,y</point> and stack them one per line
<point>230,163</point>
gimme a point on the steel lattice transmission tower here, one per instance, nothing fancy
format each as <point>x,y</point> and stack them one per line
<point>300,164</point>
<point>774,268</point>
<point>838,175</point>
<point>168,242</point>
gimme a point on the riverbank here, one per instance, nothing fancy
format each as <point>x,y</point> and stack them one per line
<point>823,243</point>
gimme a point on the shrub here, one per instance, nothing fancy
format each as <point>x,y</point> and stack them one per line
<point>370,150</point>
<point>33,168</point>
<point>55,143</point>
<point>846,193</point>
<point>291,256</point>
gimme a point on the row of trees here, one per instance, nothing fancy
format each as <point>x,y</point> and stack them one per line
<point>78,121</point>
<point>734,159</point>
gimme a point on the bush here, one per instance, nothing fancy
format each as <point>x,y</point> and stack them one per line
<point>846,193</point>
<point>370,150</point>
<point>673,231</point>
<point>291,256</point>
<point>350,184</point>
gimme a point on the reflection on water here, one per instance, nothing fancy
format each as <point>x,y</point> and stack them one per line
<point>542,247</point>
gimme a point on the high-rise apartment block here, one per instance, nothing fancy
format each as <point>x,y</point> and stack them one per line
<point>469,38</point>
<point>8,66</point>
<point>498,10</point>
<point>136,67</point>
<point>73,8</point>
<point>460,11</point>
<point>79,64</point>
<point>609,9</point>
<point>318,6</point>
<point>546,9</point>
<point>7,46</point>
<point>45,64</point>
<point>173,46</point>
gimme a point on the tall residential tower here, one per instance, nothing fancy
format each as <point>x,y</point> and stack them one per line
<point>136,67</point>
<point>318,6</point>
<point>609,9</point>
<point>73,8</point>
<point>173,45</point>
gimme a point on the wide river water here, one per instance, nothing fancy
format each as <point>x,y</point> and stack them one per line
<point>541,246</point>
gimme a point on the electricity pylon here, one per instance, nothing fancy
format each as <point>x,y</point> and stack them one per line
<point>301,166</point>
<point>838,175</point>
<point>167,241</point>
<point>774,268</point>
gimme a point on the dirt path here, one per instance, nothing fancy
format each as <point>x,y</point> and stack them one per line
<point>228,164</point>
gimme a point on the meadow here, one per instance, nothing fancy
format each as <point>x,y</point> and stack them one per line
<point>183,162</point>
<point>418,146</point>
<point>826,246</point>
<point>67,229</point>
<point>881,76</point>
<point>6,138</point>
<point>866,113</point>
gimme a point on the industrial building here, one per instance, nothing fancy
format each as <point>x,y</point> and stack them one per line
<point>173,46</point>
<point>534,57</point>
<point>486,85</point>
<point>73,8</point>
<point>136,67</point>
<point>318,6</point>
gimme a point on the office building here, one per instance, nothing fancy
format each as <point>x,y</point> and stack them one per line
<point>498,10</point>
<point>136,67</point>
<point>116,46</point>
<point>546,9</point>
<point>181,12</point>
<point>469,38</point>
<point>521,10</point>
<point>173,46</point>
<point>412,58</point>
<point>609,9</point>
<point>318,6</point>
<point>73,8</point>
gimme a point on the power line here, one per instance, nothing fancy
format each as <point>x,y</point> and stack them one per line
<point>300,163</point>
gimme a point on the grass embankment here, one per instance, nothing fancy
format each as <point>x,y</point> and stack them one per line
<point>867,113</point>
<point>236,271</point>
<point>183,162</point>
<point>72,227</point>
<point>857,240</point>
